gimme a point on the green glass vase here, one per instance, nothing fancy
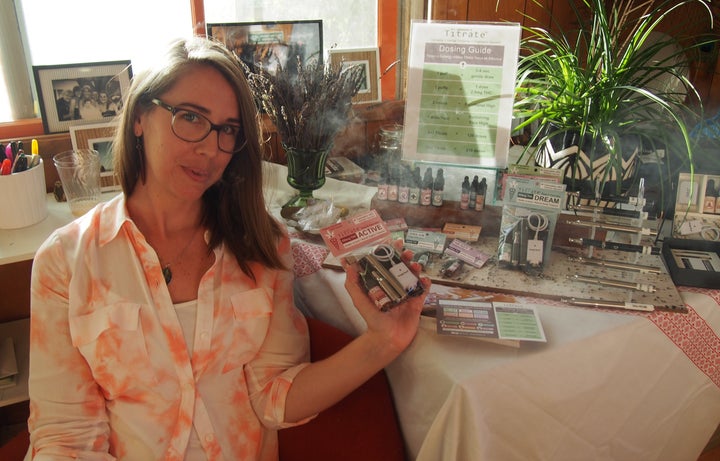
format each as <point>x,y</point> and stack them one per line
<point>306,173</point>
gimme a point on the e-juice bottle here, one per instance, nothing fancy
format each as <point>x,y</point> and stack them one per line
<point>404,187</point>
<point>465,193</point>
<point>374,291</point>
<point>480,197</point>
<point>392,193</point>
<point>710,196</point>
<point>414,192</point>
<point>473,193</point>
<point>438,189</point>
<point>426,190</point>
<point>382,191</point>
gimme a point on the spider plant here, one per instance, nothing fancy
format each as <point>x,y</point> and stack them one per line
<point>613,81</point>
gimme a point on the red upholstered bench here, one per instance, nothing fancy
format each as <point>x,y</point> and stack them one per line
<point>15,448</point>
<point>362,427</point>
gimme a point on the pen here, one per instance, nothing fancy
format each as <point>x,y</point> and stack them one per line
<point>615,264</point>
<point>34,147</point>
<point>615,227</point>
<point>609,304</point>
<point>644,249</point>
<point>13,150</point>
<point>611,211</point>
<point>615,198</point>
<point>646,287</point>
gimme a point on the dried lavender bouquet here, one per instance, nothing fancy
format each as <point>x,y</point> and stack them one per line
<point>308,107</point>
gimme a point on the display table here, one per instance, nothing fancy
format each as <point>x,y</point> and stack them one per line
<point>607,384</point>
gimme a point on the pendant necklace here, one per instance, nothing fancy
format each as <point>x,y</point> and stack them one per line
<point>166,271</point>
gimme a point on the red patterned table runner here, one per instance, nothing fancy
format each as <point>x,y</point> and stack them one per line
<point>692,334</point>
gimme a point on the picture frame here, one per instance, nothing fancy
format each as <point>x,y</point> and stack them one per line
<point>370,59</point>
<point>98,136</point>
<point>271,44</point>
<point>72,94</point>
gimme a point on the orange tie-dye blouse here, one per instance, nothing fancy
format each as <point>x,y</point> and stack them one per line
<point>110,373</point>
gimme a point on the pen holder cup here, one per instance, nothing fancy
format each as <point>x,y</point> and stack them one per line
<point>25,198</point>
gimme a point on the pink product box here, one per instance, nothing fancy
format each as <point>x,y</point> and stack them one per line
<point>355,232</point>
<point>467,253</point>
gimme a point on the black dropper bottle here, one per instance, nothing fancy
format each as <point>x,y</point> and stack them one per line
<point>465,193</point>
<point>438,188</point>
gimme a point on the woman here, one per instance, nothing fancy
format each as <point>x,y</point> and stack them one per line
<point>163,324</point>
<point>87,105</point>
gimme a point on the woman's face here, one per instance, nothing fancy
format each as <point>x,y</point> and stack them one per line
<point>181,168</point>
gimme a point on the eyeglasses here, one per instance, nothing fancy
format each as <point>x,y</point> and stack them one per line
<point>193,127</point>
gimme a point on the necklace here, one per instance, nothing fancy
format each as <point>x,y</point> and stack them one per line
<point>166,271</point>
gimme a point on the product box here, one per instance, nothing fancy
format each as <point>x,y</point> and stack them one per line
<point>697,208</point>
<point>420,240</point>
<point>462,231</point>
<point>694,263</point>
<point>364,239</point>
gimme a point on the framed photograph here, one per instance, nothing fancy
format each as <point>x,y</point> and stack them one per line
<point>271,44</point>
<point>98,136</point>
<point>369,58</point>
<point>75,94</point>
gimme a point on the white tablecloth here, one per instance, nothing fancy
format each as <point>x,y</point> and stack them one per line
<point>606,386</point>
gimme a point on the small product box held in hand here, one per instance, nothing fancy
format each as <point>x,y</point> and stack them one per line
<point>25,195</point>
<point>364,239</point>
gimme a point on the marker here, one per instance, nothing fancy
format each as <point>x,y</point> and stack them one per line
<point>34,147</point>
<point>6,167</point>
<point>21,163</point>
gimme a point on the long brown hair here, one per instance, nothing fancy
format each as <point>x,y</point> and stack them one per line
<point>233,208</point>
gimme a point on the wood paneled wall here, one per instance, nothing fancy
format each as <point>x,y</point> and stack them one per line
<point>690,23</point>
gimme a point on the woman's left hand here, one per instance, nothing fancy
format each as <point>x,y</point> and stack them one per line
<point>396,328</point>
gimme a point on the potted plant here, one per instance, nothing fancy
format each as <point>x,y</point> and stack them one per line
<point>309,104</point>
<point>594,98</point>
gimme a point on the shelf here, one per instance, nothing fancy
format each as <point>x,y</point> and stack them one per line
<point>21,244</point>
<point>19,331</point>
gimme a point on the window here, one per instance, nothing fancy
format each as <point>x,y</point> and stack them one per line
<point>346,24</point>
<point>75,31</point>
<point>65,32</point>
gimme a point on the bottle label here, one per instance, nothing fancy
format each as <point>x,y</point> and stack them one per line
<point>379,297</point>
<point>425,197</point>
<point>437,197</point>
<point>709,205</point>
<point>392,193</point>
<point>403,194</point>
<point>464,201</point>
<point>479,202</point>
<point>382,192</point>
<point>414,195</point>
